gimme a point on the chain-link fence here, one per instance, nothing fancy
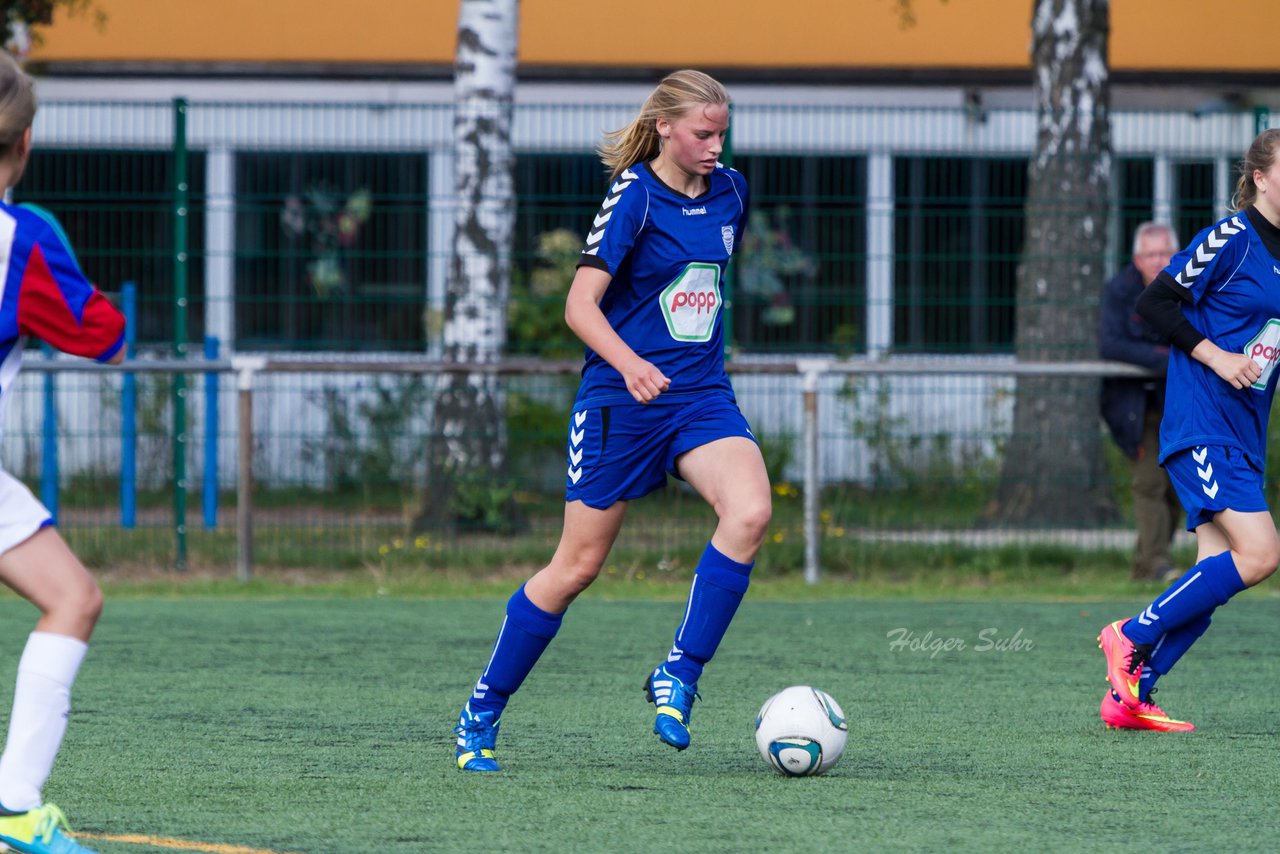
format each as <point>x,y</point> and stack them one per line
<point>323,231</point>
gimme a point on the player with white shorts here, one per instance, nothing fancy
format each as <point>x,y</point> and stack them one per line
<point>42,294</point>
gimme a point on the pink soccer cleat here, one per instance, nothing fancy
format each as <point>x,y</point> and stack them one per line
<point>1124,663</point>
<point>1116,714</point>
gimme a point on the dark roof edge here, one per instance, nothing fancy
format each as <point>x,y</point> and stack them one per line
<point>1018,77</point>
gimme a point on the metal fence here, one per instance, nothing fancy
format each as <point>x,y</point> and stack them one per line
<point>326,459</point>
<point>317,235</point>
<point>327,227</point>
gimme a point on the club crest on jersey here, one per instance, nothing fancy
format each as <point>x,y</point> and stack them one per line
<point>1264,349</point>
<point>691,302</point>
<point>726,234</point>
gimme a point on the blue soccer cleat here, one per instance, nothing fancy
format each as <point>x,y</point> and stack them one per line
<point>39,831</point>
<point>477,734</point>
<point>674,700</point>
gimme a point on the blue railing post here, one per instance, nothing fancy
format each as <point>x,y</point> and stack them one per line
<point>49,445</point>
<point>129,413</point>
<point>210,485</point>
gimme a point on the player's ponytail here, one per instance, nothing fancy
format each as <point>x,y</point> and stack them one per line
<point>17,103</point>
<point>639,141</point>
<point>1260,156</point>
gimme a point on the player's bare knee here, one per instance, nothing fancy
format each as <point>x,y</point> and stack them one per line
<point>93,604</point>
<point>76,613</point>
<point>579,575</point>
<point>1257,561</point>
<point>78,607</point>
<point>85,604</point>
<point>752,521</point>
<point>1263,561</point>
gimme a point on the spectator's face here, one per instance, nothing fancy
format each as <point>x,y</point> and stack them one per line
<point>1154,252</point>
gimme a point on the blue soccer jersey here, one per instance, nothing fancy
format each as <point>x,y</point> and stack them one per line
<point>1233,285</point>
<point>667,254</point>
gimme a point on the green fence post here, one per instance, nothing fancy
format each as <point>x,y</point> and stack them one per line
<point>180,254</point>
<point>726,293</point>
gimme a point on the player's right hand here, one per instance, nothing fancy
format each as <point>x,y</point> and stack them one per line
<point>644,381</point>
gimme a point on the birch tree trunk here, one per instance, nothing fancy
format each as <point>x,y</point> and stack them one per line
<point>467,477</point>
<point>1053,467</point>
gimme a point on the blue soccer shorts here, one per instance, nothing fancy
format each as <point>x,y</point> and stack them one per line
<point>1211,478</point>
<point>625,451</point>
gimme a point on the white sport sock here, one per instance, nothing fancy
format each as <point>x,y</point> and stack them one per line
<point>41,702</point>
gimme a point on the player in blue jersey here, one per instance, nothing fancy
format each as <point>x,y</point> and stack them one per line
<point>1218,302</point>
<point>42,294</point>
<point>654,400</point>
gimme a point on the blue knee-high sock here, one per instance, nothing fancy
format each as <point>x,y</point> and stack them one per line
<point>525,633</point>
<point>1205,586</point>
<point>719,584</point>
<point>1168,650</point>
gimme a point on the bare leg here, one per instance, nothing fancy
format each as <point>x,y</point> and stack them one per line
<point>43,570</point>
<point>730,475</point>
<point>585,542</point>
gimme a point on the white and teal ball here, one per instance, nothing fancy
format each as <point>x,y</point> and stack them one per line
<point>801,731</point>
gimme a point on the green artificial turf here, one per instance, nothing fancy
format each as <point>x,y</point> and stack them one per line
<point>323,725</point>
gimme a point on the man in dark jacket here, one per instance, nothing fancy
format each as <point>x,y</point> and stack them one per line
<point>1132,407</point>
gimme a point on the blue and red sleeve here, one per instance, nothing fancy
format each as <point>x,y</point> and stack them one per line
<point>58,305</point>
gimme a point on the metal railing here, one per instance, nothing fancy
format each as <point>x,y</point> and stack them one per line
<point>809,375</point>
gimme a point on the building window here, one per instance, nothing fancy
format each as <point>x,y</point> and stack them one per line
<point>331,251</point>
<point>117,209</point>
<point>799,281</point>
<point>1193,199</point>
<point>557,194</point>
<point>958,235</point>
<point>1135,188</point>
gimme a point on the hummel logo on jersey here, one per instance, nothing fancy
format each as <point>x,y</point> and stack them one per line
<point>726,234</point>
<point>694,211</point>
<point>1205,252</point>
<point>1275,269</point>
<point>606,212</point>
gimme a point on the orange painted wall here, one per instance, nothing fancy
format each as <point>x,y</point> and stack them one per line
<point>657,33</point>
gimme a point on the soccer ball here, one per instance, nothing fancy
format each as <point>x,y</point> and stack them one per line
<point>801,731</point>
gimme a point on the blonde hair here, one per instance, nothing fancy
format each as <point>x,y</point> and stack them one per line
<point>1259,157</point>
<point>678,92</point>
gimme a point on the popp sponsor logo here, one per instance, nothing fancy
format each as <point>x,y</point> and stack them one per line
<point>1264,353</point>
<point>691,302</point>
<point>699,301</point>
<point>1264,349</point>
